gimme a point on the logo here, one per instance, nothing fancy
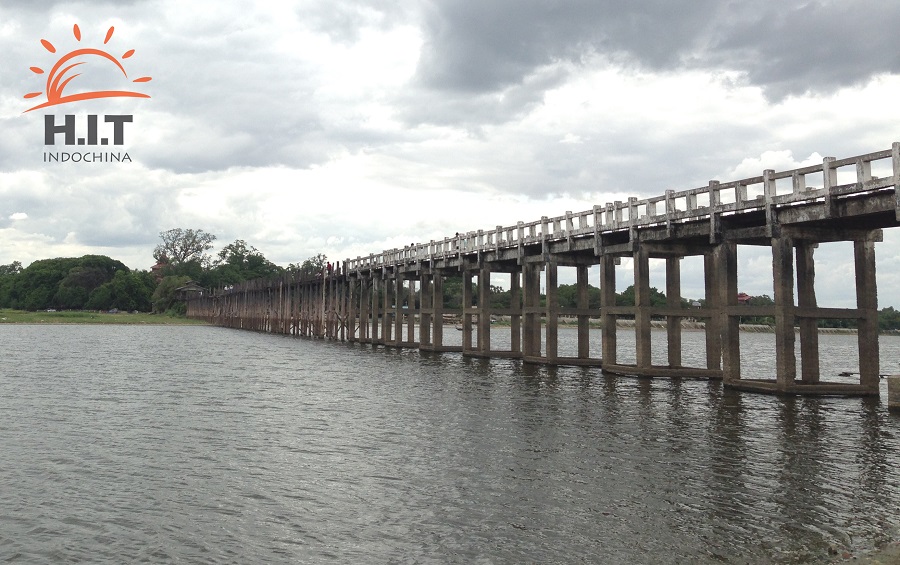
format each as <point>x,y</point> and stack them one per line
<point>61,75</point>
<point>64,75</point>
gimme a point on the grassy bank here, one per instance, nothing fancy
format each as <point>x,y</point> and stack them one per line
<point>74,317</point>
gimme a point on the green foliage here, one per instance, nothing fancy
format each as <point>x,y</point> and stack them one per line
<point>183,245</point>
<point>57,283</point>
<point>568,296</point>
<point>626,297</point>
<point>889,319</point>
<point>240,262</point>
<point>164,296</point>
<point>13,268</point>
<point>310,267</point>
<point>126,291</point>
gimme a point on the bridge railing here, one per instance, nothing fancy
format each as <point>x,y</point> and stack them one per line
<point>833,178</point>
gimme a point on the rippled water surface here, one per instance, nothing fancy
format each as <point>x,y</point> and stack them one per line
<point>201,444</point>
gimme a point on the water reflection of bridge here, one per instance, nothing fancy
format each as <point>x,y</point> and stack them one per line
<point>395,298</point>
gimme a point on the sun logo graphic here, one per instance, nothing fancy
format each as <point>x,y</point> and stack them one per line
<point>64,72</point>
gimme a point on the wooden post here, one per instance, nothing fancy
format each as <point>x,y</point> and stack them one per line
<point>426,310</point>
<point>806,298</point>
<point>411,312</point>
<point>377,300</point>
<point>552,339</point>
<point>515,320</point>
<point>783,274</point>
<point>365,301</point>
<point>399,288</point>
<point>467,311</point>
<point>531,278</point>
<point>484,309</point>
<point>608,301</point>
<point>642,307</point>
<point>867,303</point>
<point>673,300</point>
<point>437,301</point>
<point>584,319</point>
<point>720,276</point>
<point>723,328</point>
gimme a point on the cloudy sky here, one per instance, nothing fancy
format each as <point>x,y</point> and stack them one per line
<point>348,127</point>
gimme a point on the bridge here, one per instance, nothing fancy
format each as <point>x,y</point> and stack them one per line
<point>395,298</point>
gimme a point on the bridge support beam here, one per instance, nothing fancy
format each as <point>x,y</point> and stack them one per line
<point>426,310</point>
<point>783,271</point>
<point>642,344</point>
<point>867,304</point>
<point>484,310</point>
<point>607,303</point>
<point>723,340</point>
<point>467,312</point>
<point>552,312</point>
<point>673,300</point>
<point>806,298</point>
<point>531,278</point>
<point>515,320</point>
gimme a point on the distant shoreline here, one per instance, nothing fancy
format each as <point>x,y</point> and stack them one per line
<point>67,317</point>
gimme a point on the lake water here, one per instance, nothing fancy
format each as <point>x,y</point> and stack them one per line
<point>208,445</point>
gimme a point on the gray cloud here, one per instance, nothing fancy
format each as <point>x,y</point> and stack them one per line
<point>474,47</point>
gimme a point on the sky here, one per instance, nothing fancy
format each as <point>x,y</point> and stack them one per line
<point>349,127</point>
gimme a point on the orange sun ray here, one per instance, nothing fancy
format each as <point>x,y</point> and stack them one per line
<point>58,78</point>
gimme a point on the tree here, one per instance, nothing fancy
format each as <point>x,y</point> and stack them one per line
<point>239,262</point>
<point>626,297</point>
<point>310,267</point>
<point>180,246</point>
<point>164,296</point>
<point>39,285</point>
<point>126,291</point>
<point>13,268</point>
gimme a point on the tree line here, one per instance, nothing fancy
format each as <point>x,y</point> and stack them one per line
<point>98,282</point>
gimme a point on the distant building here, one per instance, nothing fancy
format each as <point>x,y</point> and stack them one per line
<point>157,270</point>
<point>744,298</point>
<point>189,290</point>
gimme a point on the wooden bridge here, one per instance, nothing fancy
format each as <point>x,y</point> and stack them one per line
<point>395,297</point>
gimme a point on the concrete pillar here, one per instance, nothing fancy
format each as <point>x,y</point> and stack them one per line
<point>484,309</point>
<point>607,301</point>
<point>552,311</point>
<point>673,300</point>
<point>515,322</point>
<point>783,274</point>
<point>806,298</point>
<point>867,303</point>
<point>584,319</point>
<point>642,342</point>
